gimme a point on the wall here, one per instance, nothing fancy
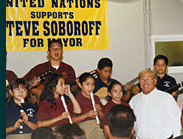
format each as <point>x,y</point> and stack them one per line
<point>125,40</point>
<point>167,19</point>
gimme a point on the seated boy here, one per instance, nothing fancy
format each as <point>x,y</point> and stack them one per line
<point>104,70</point>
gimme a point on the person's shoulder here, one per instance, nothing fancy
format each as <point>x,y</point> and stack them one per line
<point>41,64</point>
<point>164,95</point>
<point>44,103</point>
<point>96,97</point>
<point>10,72</point>
<point>108,103</point>
<point>169,77</point>
<point>66,65</point>
<point>135,98</point>
<point>125,104</point>
<point>32,105</point>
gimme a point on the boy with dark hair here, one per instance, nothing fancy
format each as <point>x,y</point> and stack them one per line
<point>164,81</point>
<point>55,63</point>
<point>120,122</point>
<point>104,70</point>
<point>70,131</point>
<point>43,133</point>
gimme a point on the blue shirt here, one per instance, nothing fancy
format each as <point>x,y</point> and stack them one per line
<point>100,84</point>
<point>165,82</point>
<point>13,114</point>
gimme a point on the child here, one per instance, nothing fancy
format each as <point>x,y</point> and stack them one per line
<point>164,81</point>
<point>18,91</point>
<point>43,133</point>
<point>51,111</point>
<point>116,93</point>
<point>104,70</point>
<point>87,119</point>
<point>69,131</point>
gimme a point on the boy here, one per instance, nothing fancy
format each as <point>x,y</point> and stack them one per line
<point>120,122</point>
<point>164,81</point>
<point>104,70</point>
<point>55,52</point>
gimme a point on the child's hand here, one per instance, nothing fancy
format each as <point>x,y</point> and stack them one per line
<point>17,124</point>
<point>67,90</point>
<point>64,115</point>
<point>25,117</point>
<point>92,113</point>
<point>35,83</point>
<point>98,108</point>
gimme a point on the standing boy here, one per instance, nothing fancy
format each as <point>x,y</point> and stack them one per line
<point>164,81</point>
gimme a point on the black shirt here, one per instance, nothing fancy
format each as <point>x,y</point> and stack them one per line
<point>165,82</point>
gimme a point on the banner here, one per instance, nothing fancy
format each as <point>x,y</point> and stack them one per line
<point>79,24</point>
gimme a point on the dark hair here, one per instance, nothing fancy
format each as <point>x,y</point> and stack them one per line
<point>84,77</point>
<point>43,133</point>
<point>54,41</point>
<point>15,84</point>
<point>112,83</point>
<point>104,62</point>
<point>70,131</point>
<point>120,121</point>
<point>110,86</point>
<point>161,57</point>
<point>49,86</point>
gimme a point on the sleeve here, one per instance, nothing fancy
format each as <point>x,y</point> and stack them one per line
<point>174,82</point>
<point>175,115</point>
<point>71,73</point>
<point>43,111</point>
<point>97,101</point>
<point>131,103</point>
<point>36,71</point>
<point>106,107</point>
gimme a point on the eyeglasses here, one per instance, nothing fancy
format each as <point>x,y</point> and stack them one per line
<point>146,79</point>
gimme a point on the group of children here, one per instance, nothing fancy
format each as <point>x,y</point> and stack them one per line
<point>51,111</point>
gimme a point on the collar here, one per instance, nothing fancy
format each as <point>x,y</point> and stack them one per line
<point>165,76</point>
<point>50,66</point>
<point>152,93</point>
<point>99,79</point>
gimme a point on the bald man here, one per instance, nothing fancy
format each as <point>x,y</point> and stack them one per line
<point>157,113</point>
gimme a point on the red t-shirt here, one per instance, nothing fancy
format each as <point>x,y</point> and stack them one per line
<point>86,104</point>
<point>66,70</point>
<point>109,105</point>
<point>45,112</point>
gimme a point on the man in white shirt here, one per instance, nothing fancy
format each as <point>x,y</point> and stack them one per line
<point>157,113</point>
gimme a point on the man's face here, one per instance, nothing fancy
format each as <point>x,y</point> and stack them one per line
<point>160,66</point>
<point>105,73</point>
<point>147,82</point>
<point>55,51</point>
